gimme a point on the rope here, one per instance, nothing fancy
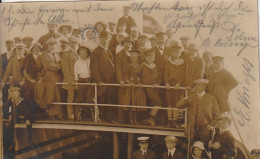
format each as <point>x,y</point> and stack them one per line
<point>77,19</point>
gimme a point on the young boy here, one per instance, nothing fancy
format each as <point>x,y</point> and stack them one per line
<point>143,152</point>
<point>223,142</point>
<point>82,75</point>
<point>150,75</point>
<point>172,152</point>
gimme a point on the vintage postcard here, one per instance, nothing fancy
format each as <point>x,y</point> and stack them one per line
<point>130,80</point>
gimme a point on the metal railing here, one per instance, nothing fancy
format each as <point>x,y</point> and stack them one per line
<point>96,105</point>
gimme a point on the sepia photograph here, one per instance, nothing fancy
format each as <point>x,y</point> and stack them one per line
<point>129,80</point>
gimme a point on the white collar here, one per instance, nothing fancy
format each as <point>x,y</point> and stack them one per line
<point>176,62</point>
<point>191,57</point>
<point>201,94</point>
<point>151,66</point>
<point>219,69</point>
<point>103,47</point>
<point>126,16</point>
<point>19,57</point>
<point>128,53</point>
<point>35,56</point>
<point>171,152</point>
<point>19,101</point>
<point>9,54</point>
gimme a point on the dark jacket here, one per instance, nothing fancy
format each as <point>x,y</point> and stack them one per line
<point>177,155</point>
<point>138,155</point>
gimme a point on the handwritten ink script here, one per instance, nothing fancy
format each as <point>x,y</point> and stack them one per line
<point>210,17</point>
<point>44,14</point>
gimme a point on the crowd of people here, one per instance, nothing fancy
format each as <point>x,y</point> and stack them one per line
<point>119,54</point>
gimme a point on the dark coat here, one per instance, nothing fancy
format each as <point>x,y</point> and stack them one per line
<point>194,70</point>
<point>14,68</point>
<point>227,145</point>
<point>220,84</point>
<point>160,59</point>
<point>102,66</point>
<point>177,155</point>
<point>129,22</point>
<point>43,39</point>
<point>138,155</point>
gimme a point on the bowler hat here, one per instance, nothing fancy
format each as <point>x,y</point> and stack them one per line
<point>128,39</point>
<point>142,36</point>
<point>37,45</point>
<point>217,58</point>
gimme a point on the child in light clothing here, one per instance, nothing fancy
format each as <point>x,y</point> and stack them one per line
<point>82,75</point>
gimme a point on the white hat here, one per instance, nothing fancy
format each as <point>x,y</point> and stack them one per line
<point>143,139</point>
<point>199,144</point>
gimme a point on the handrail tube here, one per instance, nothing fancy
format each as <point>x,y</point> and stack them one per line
<point>119,85</point>
<point>116,105</point>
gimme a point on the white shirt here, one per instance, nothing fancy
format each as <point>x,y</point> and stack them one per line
<point>144,152</point>
<point>201,94</point>
<point>81,68</point>
<point>171,152</point>
<point>9,54</point>
<point>219,69</point>
<point>119,48</point>
<point>161,51</point>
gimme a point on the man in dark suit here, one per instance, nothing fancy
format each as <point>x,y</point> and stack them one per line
<point>194,66</point>
<point>102,65</point>
<point>126,19</point>
<point>28,43</point>
<point>221,83</point>
<point>185,43</point>
<point>52,33</point>
<point>172,152</point>
<point>162,52</point>
<point>223,144</point>
<point>143,152</point>
<point>5,57</point>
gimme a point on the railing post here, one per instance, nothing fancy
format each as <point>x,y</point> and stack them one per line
<point>96,107</point>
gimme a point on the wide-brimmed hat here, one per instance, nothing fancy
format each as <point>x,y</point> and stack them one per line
<point>102,23</point>
<point>199,144</point>
<point>64,25</point>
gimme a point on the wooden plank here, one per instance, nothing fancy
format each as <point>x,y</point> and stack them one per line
<point>106,128</point>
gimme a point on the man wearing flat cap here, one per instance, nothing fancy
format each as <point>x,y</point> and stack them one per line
<point>28,43</point>
<point>52,33</point>
<point>64,46</point>
<point>143,152</point>
<point>122,62</point>
<point>169,37</point>
<point>76,33</point>
<point>50,62</point>
<point>67,63</point>
<point>102,66</point>
<point>172,151</point>
<point>134,36</point>
<point>222,144</point>
<point>153,41</point>
<point>113,42</point>
<point>221,83</point>
<point>126,19</point>
<point>185,43</point>
<point>5,57</point>
<point>162,52</point>
<point>203,112</point>
<point>32,70</point>
<point>194,66</point>
<point>18,109</point>
<point>142,45</point>
<point>15,67</point>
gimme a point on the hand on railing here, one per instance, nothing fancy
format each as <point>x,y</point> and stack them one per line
<point>100,83</point>
<point>122,84</point>
<point>167,85</point>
